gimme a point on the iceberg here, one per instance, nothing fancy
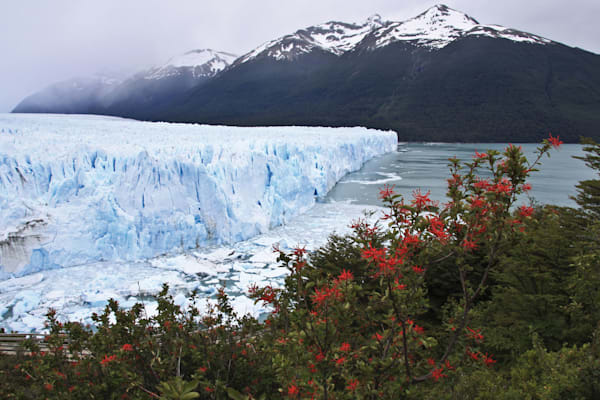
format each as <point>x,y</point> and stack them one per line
<point>76,190</point>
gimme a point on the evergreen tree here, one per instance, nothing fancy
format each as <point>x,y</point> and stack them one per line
<point>588,196</point>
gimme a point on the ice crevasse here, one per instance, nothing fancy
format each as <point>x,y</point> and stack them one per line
<point>80,189</point>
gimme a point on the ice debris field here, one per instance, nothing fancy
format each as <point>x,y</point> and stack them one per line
<point>126,205</point>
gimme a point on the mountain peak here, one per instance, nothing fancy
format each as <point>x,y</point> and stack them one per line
<point>201,62</point>
<point>198,57</point>
<point>374,20</point>
<point>441,13</point>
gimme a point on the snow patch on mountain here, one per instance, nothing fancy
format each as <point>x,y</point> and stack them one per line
<point>433,29</point>
<point>201,63</point>
<point>497,31</point>
<point>332,37</point>
<point>81,189</point>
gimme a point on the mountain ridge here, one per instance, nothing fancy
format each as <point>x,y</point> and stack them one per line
<point>439,76</point>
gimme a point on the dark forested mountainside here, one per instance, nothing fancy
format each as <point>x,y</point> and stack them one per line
<point>475,89</point>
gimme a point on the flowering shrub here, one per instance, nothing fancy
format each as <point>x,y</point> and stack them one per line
<point>132,356</point>
<point>354,334</point>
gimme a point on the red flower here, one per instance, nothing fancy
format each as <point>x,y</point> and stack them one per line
<point>293,391</point>
<point>488,360</point>
<point>409,239</point>
<point>374,254</point>
<point>475,334</point>
<point>437,228</point>
<point>468,244</point>
<point>418,329</point>
<point>299,265</point>
<point>127,347</point>
<point>340,360</point>
<point>386,192</point>
<point>421,200</point>
<point>268,295</point>
<point>438,373</point>
<point>417,269</point>
<point>474,356</point>
<point>480,155</point>
<point>321,295</point>
<point>345,347</point>
<point>525,211</point>
<point>481,184</point>
<point>352,385</point>
<point>202,369</point>
<point>208,389</point>
<point>526,187</point>
<point>299,251</point>
<point>378,336</point>
<point>320,357</point>
<point>503,186</point>
<point>107,359</point>
<point>431,361</point>
<point>398,285</point>
<point>555,141</point>
<point>388,265</point>
<point>345,275</point>
<point>48,386</point>
<point>477,202</point>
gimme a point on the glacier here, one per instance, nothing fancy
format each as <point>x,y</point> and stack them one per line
<point>76,190</point>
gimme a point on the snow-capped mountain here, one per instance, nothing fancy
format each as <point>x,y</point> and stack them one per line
<point>440,76</point>
<point>202,63</point>
<point>434,29</point>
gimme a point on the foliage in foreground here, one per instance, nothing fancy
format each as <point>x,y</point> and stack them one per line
<point>474,299</point>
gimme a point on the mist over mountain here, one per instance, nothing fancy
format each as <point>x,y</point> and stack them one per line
<point>441,76</point>
<point>136,96</point>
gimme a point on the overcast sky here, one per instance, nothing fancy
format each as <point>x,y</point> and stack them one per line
<point>45,41</point>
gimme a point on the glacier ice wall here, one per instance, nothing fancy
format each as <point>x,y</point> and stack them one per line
<point>81,189</point>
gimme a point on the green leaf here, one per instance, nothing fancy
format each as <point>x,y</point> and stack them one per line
<point>235,395</point>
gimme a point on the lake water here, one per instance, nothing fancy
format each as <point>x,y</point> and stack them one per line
<point>79,291</point>
<point>424,166</point>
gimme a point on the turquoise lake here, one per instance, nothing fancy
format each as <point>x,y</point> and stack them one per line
<point>424,166</point>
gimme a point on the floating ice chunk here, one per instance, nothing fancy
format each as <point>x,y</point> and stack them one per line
<point>266,256</point>
<point>181,300</point>
<point>188,264</point>
<point>220,255</point>
<point>26,301</point>
<point>275,272</point>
